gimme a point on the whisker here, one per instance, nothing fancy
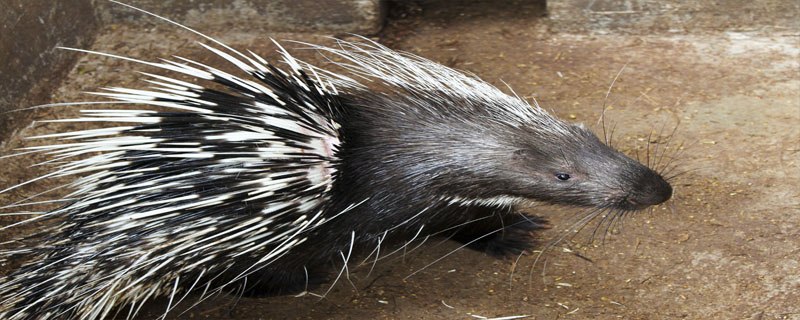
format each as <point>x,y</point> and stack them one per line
<point>405,251</point>
<point>657,144</point>
<point>570,222</point>
<point>600,223</point>
<point>455,231</point>
<point>605,101</point>
<point>586,217</point>
<point>451,252</point>
<point>680,173</point>
<point>649,137</point>
<point>377,248</point>
<point>419,231</point>
<point>377,252</point>
<point>670,159</point>
<point>191,288</point>
<point>580,225</point>
<point>239,293</point>
<point>611,135</point>
<point>669,139</point>
<point>616,217</point>
<point>344,267</point>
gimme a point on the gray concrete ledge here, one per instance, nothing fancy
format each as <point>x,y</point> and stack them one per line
<point>331,16</point>
<point>672,16</point>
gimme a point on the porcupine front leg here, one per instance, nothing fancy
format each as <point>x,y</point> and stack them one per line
<point>501,233</point>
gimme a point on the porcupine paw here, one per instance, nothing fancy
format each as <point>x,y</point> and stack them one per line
<point>515,239</point>
<point>275,283</point>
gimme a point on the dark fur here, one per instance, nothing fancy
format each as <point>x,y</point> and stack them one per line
<point>404,158</point>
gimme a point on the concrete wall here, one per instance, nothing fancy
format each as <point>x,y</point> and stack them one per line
<point>30,66</point>
<point>330,16</point>
<point>30,30</point>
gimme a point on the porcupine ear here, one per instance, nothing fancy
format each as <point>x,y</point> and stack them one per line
<point>254,162</point>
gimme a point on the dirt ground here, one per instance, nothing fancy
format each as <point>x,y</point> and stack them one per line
<point>727,246</point>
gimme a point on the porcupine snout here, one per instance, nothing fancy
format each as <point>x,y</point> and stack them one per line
<point>647,189</point>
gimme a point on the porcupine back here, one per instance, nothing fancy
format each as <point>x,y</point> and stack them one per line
<point>290,169</point>
<point>176,197</point>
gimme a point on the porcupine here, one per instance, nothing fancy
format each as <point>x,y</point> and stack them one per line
<point>266,183</point>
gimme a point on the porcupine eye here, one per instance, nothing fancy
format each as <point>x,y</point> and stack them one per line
<point>562,176</point>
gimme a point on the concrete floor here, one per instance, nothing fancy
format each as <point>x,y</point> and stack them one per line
<point>726,247</point>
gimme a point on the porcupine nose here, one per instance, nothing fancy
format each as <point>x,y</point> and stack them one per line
<point>652,190</point>
<point>661,191</point>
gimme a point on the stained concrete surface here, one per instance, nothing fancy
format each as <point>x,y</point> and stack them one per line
<point>726,247</point>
